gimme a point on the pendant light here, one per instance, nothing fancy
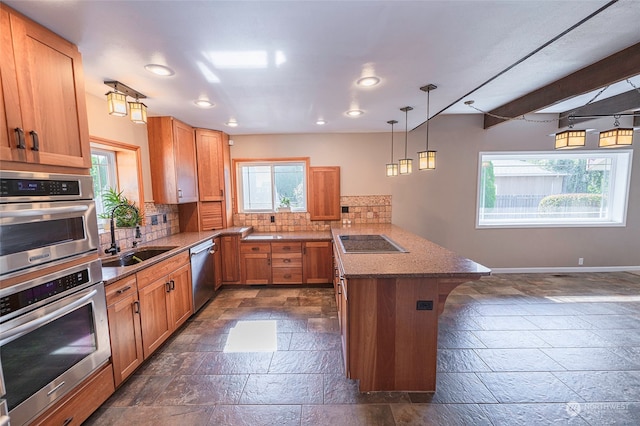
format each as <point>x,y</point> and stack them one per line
<point>405,163</point>
<point>138,112</point>
<point>570,138</point>
<point>616,137</point>
<point>392,168</point>
<point>117,103</point>
<point>426,158</point>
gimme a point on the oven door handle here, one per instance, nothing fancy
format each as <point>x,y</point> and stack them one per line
<point>49,211</point>
<point>28,327</point>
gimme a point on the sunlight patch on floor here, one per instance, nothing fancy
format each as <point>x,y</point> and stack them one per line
<point>253,336</point>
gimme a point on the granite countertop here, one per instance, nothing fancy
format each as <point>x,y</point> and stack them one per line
<point>422,259</point>
<point>287,236</point>
<point>180,242</point>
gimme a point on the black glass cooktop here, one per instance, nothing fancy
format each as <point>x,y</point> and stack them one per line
<point>375,243</point>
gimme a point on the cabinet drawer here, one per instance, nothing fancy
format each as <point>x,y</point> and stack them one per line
<point>287,275</point>
<point>121,289</point>
<point>286,247</point>
<point>285,260</point>
<point>152,273</point>
<point>255,248</point>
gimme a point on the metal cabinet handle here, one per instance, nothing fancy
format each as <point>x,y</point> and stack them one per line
<point>136,307</point>
<point>168,287</point>
<point>287,276</point>
<point>286,248</point>
<point>20,137</point>
<point>36,140</point>
<point>255,248</point>
<point>286,260</point>
<point>67,421</point>
<point>173,284</point>
<point>124,289</point>
<point>179,193</point>
<point>221,193</point>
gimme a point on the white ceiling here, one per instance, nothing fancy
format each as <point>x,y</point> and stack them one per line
<point>314,51</point>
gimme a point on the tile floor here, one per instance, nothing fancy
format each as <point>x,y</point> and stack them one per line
<point>513,349</point>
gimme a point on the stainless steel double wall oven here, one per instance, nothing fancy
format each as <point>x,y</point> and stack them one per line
<point>53,316</point>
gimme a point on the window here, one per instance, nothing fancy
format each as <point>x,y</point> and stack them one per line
<point>264,186</point>
<point>586,188</point>
<point>103,171</point>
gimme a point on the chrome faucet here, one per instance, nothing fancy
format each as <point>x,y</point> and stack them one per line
<point>114,248</point>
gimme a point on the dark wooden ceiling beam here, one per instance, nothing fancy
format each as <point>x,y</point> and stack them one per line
<point>614,105</point>
<point>614,68</point>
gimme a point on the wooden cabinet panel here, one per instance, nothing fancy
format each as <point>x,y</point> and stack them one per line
<point>287,260</point>
<point>50,83</point>
<point>154,314</point>
<point>248,247</point>
<point>172,155</point>
<point>150,274</point>
<point>210,165</point>
<point>255,268</point>
<point>217,262</point>
<point>323,200</point>
<point>318,262</point>
<point>288,247</point>
<point>230,259</point>
<point>211,215</point>
<point>181,300</point>
<point>123,312</point>
<point>286,275</point>
<point>78,405</point>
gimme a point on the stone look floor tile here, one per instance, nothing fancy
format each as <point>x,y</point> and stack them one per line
<point>579,322</point>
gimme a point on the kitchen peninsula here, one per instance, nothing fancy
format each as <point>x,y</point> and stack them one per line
<point>388,305</point>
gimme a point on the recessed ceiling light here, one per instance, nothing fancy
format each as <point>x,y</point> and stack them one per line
<point>321,122</point>
<point>354,113</point>
<point>203,103</point>
<point>232,123</point>
<point>159,69</point>
<point>368,81</point>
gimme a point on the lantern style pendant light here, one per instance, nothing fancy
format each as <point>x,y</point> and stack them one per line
<point>406,163</point>
<point>392,168</point>
<point>117,103</point>
<point>426,158</point>
<point>138,112</point>
<point>616,137</point>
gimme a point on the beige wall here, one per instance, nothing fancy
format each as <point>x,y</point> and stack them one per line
<point>440,205</point>
<point>120,129</point>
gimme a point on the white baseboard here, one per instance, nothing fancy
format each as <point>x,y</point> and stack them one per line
<point>562,269</point>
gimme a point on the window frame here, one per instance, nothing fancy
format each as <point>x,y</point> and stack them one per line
<point>618,216</point>
<point>237,190</point>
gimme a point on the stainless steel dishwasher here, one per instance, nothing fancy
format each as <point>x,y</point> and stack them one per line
<point>202,272</point>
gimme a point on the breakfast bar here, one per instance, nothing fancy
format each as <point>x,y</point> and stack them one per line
<point>391,285</point>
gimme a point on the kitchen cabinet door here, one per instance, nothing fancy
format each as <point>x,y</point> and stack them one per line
<point>154,314</point>
<point>181,299</point>
<point>317,262</point>
<point>50,83</point>
<point>217,262</point>
<point>323,200</point>
<point>230,259</point>
<point>172,154</point>
<point>123,311</point>
<point>210,165</point>
<point>255,268</point>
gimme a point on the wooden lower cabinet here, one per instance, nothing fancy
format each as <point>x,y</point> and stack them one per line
<point>229,245</point>
<point>317,262</point>
<point>166,300</point>
<point>79,404</point>
<point>123,311</point>
<point>217,262</point>
<point>255,263</point>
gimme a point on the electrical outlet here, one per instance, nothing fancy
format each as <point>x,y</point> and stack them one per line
<point>164,218</point>
<point>424,305</point>
<point>273,219</point>
<point>345,209</point>
<point>154,219</point>
<point>581,261</point>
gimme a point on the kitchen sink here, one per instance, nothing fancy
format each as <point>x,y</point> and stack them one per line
<point>134,257</point>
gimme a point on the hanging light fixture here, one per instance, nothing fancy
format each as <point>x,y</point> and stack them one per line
<point>426,158</point>
<point>616,137</point>
<point>392,168</point>
<point>405,163</point>
<point>570,138</point>
<point>138,112</point>
<point>117,102</point>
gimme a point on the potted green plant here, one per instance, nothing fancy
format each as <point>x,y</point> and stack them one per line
<point>285,204</point>
<point>124,217</point>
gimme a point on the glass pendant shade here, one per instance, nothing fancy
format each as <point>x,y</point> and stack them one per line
<point>392,169</point>
<point>427,160</point>
<point>406,166</point>
<point>615,138</point>
<point>570,139</point>
<point>138,112</point>
<point>117,104</point>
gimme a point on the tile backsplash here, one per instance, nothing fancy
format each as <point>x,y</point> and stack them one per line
<point>155,227</point>
<point>361,209</point>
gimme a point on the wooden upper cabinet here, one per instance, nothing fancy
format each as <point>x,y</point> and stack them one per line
<point>210,165</point>
<point>43,96</point>
<point>172,153</point>
<point>323,199</point>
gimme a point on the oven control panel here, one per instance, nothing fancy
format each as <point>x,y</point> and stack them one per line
<point>35,188</point>
<point>27,297</point>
